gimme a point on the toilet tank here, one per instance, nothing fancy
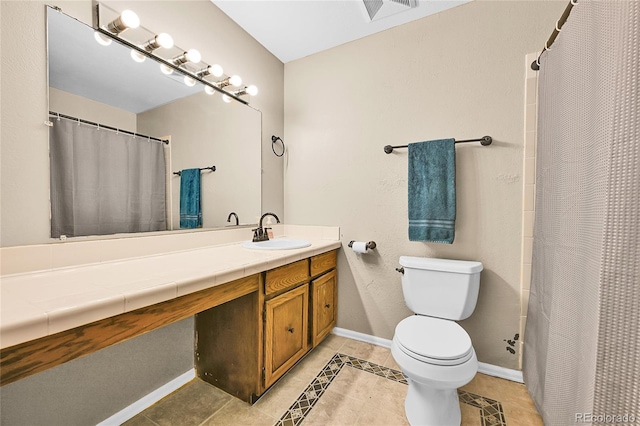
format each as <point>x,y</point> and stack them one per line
<point>441,288</point>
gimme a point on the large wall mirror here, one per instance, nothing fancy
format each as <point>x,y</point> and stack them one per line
<point>104,85</point>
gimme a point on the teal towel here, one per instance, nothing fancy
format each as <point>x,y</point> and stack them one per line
<point>432,191</point>
<point>190,208</point>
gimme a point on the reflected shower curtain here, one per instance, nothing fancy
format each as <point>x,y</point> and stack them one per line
<point>103,182</point>
<point>581,348</point>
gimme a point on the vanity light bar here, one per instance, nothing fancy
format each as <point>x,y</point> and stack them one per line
<point>171,65</point>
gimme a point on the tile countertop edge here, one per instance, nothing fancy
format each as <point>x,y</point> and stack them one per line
<point>26,326</point>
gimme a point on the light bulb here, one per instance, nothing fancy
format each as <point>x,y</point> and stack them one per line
<point>101,38</point>
<point>193,56</point>
<point>226,98</point>
<point>137,56</point>
<point>235,80</point>
<point>165,69</point>
<point>164,40</point>
<point>216,70</point>
<point>209,90</point>
<point>189,81</point>
<point>127,19</point>
<point>130,19</point>
<point>252,90</point>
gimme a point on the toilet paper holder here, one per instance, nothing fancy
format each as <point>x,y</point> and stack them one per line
<point>370,245</point>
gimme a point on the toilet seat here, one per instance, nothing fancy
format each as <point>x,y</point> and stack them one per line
<point>433,340</point>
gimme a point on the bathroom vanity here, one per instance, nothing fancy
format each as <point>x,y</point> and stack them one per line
<point>257,312</point>
<point>245,345</point>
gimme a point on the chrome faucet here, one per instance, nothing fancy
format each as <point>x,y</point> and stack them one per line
<point>260,233</point>
<point>233,214</point>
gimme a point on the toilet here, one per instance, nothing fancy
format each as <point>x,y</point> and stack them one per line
<point>432,350</point>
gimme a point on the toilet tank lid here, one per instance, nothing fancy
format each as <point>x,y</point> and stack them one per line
<point>447,265</point>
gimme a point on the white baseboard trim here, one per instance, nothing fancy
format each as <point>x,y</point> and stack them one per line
<point>503,373</point>
<point>148,400</point>
<point>488,369</point>
<point>367,338</point>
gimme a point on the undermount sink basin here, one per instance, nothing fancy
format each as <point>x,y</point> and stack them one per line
<point>277,244</point>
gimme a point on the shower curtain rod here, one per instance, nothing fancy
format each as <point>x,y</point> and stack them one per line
<point>484,141</point>
<point>102,126</point>
<point>535,65</point>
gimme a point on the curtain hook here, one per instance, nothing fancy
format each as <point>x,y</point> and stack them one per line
<point>58,116</point>
<point>98,126</point>
<point>574,2</point>
<point>558,29</point>
<point>545,45</point>
<point>78,121</point>
<point>538,61</point>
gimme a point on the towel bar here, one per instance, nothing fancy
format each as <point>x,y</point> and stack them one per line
<point>484,141</point>
<point>212,168</point>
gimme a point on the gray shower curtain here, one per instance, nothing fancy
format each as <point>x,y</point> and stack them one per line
<point>103,182</point>
<point>581,359</point>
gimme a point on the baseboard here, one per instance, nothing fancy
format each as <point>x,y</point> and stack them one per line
<point>148,400</point>
<point>503,373</point>
<point>367,338</point>
<point>488,369</point>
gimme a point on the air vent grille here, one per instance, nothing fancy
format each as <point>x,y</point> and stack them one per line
<point>372,6</point>
<point>379,9</point>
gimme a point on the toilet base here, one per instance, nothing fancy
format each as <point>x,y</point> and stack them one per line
<point>426,406</point>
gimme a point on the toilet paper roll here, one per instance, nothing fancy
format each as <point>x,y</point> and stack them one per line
<point>360,247</point>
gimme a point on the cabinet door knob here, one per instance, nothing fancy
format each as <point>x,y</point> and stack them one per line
<point>327,305</point>
<point>290,330</point>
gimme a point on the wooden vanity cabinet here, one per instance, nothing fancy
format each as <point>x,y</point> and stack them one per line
<point>285,337</point>
<point>324,296</point>
<point>244,346</point>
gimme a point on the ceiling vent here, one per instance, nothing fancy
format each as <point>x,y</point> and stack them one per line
<point>379,9</point>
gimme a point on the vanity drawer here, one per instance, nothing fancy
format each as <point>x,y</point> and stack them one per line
<point>285,277</point>
<point>323,262</point>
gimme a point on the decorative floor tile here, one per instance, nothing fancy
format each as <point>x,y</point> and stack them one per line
<point>491,412</point>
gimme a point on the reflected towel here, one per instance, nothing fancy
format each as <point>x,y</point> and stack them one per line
<point>190,208</point>
<point>432,191</point>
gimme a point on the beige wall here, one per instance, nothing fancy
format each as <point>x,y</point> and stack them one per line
<point>456,74</point>
<point>76,106</point>
<point>24,167</point>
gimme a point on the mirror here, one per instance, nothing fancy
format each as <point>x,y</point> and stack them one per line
<point>103,84</point>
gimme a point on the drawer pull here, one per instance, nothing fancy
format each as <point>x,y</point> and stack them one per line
<point>290,330</point>
<point>327,306</point>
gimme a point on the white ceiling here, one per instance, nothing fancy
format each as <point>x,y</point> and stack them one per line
<point>293,29</point>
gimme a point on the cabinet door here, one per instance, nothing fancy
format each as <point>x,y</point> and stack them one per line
<point>324,306</point>
<point>286,330</point>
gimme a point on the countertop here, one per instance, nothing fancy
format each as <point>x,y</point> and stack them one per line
<point>37,304</point>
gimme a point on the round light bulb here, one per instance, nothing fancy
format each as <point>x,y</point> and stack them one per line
<point>101,38</point>
<point>235,80</point>
<point>166,70</point>
<point>193,56</point>
<point>189,81</point>
<point>165,40</point>
<point>209,90</point>
<point>226,98</point>
<point>216,70</point>
<point>130,19</point>
<point>137,56</point>
<point>252,90</point>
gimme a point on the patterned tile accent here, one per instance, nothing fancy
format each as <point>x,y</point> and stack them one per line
<point>491,412</point>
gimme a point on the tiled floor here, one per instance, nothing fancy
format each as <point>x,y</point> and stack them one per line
<point>341,382</point>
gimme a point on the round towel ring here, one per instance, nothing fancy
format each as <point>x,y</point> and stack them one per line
<point>274,139</point>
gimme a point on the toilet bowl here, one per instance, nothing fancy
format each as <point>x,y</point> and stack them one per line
<point>437,357</point>
<point>432,350</point>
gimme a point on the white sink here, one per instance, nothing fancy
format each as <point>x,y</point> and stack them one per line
<point>277,244</point>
